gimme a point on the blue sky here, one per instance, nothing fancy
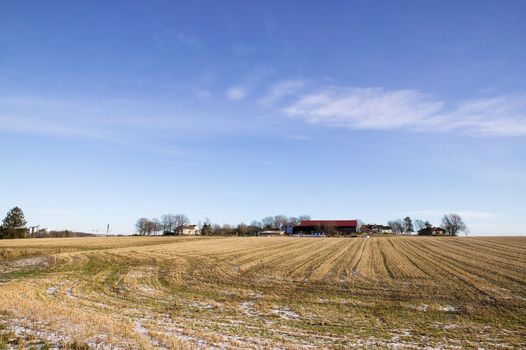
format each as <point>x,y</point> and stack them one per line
<point>235,110</point>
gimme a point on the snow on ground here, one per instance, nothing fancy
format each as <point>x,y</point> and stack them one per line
<point>19,264</point>
<point>285,313</point>
<point>448,308</point>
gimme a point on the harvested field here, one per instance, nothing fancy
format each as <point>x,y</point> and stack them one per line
<point>167,292</point>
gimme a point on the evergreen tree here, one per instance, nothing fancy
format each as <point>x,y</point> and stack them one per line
<point>14,224</point>
<point>207,229</point>
<point>408,225</point>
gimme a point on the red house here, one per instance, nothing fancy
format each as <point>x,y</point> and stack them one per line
<point>439,231</point>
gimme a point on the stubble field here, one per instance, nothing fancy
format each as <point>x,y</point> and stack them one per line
<point>168,292</point>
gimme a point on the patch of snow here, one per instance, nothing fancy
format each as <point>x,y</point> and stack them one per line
<point>256,295</point>
<point>285,313</point>
<point>200,305</point>
<point>448,308</point>
<point>69,291</point>
<point>248,309</point>
<point>139,328</point>
<point>451,326</point>
<point>15,265</point>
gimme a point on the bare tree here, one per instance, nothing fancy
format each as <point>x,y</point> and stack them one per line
<point>242,229</point>
<point>304,217</point>
<point>180,220</point>
<point>453,224</point>
<point>396,226</point>
<point>169,223</point>
<point>216,229</point>
<point>151,227</point>
<point>227,230</point>
<point>254,228</point>
<point>419,224</point>
<point>293,221</point>
<point>157,226</point>
<point>257,224</point>
<point>280,221</point>
<point>142,226</point>
<point>268,222</point>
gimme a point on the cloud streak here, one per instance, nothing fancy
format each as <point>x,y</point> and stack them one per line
<point>151,125</point>
<point>413,110</point>
<point>236,93</point>
<point>281,90</point>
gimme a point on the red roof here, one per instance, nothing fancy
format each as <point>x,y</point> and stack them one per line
<point>338,223</point>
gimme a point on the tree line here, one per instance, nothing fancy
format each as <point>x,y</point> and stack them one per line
<point>169,224</point>
<point>452,224</point>
<point>14,226</point>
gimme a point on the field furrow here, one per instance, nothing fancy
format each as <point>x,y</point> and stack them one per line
<point>263,293</point>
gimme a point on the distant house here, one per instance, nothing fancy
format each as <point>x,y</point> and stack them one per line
<point>374,228</point>
<point>367,228</point>
<point>310,227</point>
<point>386,229</point>
<point>432,231</point>
<point>289,229</point>
<point>438,231</point>
<point>188,230</point>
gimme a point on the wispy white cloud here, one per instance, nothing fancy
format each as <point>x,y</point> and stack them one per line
<point>501,115</point>
<point>281,90</point>
<point>248,84</point>
<point>381,109</point>
<point>151,125</point>
<point>236,93</point>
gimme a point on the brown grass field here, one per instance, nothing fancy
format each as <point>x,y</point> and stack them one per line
<point>288,293</point>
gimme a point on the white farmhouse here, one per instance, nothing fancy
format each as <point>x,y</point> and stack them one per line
<point>188,230</point>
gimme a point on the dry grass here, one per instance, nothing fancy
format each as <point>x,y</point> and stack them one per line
<point>184,293</point>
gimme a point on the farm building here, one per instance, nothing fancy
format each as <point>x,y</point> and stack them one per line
<point>439,231</point>
<point>326,226</point>
<point>374,228</point>
<point>386,229</point>
<point>432,231</point>
<point>188,230</point>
